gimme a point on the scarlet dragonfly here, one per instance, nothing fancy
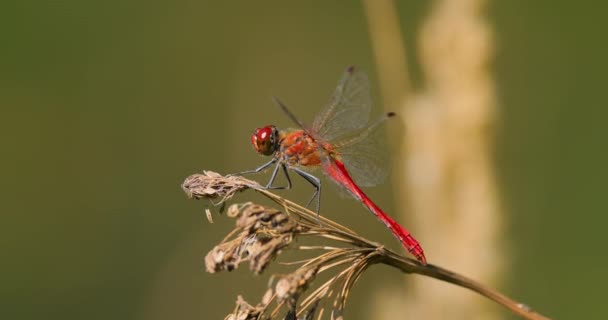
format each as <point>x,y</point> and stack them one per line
<point>339,142</point>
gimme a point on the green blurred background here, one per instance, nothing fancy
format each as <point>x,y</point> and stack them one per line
<point>107,106</point>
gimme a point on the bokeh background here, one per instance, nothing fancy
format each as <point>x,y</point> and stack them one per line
<point>106,106</point>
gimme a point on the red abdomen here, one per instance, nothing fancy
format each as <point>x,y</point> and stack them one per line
<point>337,171</point>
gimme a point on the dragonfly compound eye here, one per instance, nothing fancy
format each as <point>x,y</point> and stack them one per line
<point>264,140</point>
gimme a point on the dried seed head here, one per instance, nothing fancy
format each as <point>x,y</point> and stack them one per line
<point>222,257</point>
<point>212,185</point>
<point>264,233</point>
<point>255,218</point>
<point>264,250</point>
<point>293,284</point>
<point>234,210</point>
<point>208,215</point>
<point>245,311</point>
<point>267,298</point>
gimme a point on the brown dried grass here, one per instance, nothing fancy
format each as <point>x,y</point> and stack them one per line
<point>262,233</point>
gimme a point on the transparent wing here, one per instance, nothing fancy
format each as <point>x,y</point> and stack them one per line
<point>365,156</point>
<point>348,109</point>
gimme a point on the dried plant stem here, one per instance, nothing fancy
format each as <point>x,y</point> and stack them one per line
<point>409,265</point>
<point>262,232</point>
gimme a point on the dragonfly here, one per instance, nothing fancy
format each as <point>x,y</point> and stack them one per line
<point>340,142</point>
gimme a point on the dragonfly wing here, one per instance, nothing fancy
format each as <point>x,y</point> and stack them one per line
<point>348,109</point>
<point>367,159</point>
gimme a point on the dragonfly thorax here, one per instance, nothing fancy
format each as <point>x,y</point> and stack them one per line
<point>299,148</point>
<point>265,140</point>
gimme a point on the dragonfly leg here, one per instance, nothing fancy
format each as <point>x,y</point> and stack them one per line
<point>316,182</point>
<point>286,177</point>
<point>274,176</point>
<point>256,170</point>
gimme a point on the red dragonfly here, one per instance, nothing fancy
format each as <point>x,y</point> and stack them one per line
<point>338,142</point>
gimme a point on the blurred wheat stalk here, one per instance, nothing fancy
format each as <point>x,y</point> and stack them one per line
<point>445,164</point>
<point>262,233</point>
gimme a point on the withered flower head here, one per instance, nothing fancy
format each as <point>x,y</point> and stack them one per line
<point>245,311</point>
<point>261,234</point>
<point>292,285</point>
<point>255,218</point>
<point>212,185</point>
<point>224,256</point>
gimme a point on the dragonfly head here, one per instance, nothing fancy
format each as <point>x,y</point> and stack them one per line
<point>265,140</point>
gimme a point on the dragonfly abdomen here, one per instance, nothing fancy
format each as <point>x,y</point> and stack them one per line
<point>338,172</point>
